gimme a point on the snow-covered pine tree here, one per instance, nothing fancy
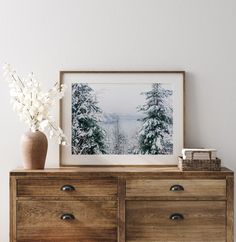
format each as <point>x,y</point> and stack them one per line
<point>133,145</point>
<point>119,138</point>
<point>87,135</point>
<point>155,135</point>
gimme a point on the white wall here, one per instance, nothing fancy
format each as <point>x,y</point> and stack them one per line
<point>196,36</point>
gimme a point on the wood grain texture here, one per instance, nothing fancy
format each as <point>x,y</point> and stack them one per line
<point>161,188</point>
<point>148,221</point>
<point>52,187</point>
<point>121,209</point>
<point>13,191</point>
<point>105,212</point>
<point>81,235</point>
<point>165,172</point>
<point>42,220</point>
<point>230,208</point>
<point>55,238</point>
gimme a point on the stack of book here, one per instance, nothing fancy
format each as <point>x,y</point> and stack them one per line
<point>199,160</point>
<point>199,154</point>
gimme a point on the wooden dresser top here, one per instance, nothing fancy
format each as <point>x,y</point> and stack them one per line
<point>159,171</point>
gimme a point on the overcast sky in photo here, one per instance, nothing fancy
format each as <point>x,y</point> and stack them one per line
<point>121,98</point>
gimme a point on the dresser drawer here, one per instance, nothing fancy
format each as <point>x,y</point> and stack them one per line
<point>175,188</point>
<point>175,221</point>
<point>66,221</point>
<point>67,187</point>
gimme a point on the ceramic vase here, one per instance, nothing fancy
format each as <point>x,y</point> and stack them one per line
<point>34,146</point>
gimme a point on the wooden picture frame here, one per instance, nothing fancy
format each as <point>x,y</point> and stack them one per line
<point>112,82</point>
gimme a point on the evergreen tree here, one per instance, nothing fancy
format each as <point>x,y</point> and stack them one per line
<point>133,145</point>
<point>155,136</point>
<point>119,138</point>
<point>87,135</point>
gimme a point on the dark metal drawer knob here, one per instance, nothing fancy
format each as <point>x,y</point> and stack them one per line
<point>67,188</point>
<point>67,216</point>
<point>176,188</point>
<point>176,216</point>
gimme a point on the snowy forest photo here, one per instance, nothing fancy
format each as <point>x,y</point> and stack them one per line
<point>122,119</point>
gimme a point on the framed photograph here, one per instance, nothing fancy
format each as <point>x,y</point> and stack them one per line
<point>122,117</point>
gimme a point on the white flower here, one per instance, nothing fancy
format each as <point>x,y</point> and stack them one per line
<point>6,70</point>
<point>32,104</point>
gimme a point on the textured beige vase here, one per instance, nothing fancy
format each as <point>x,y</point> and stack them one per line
<point>34,146</point>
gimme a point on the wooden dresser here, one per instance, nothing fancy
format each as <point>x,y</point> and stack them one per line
<point>132,204</point>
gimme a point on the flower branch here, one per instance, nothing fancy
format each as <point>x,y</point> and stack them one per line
<point>32,104</point>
